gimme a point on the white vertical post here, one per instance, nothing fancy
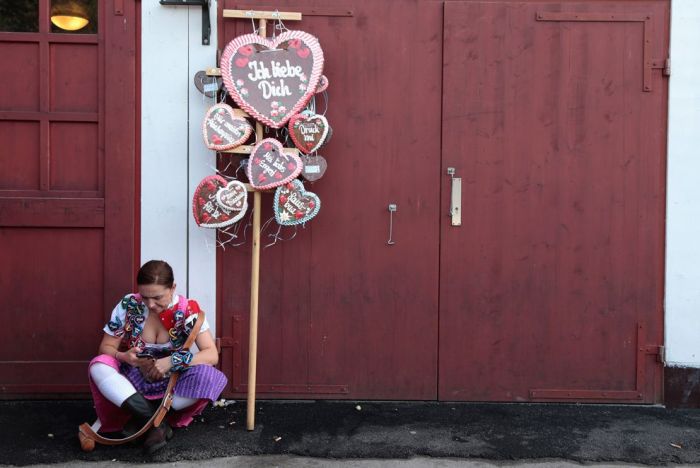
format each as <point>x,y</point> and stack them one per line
<point>683,189</point>
<point>201,258</point>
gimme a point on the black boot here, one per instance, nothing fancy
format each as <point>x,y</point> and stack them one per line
<point>157,437</point>
<point>141,411</point>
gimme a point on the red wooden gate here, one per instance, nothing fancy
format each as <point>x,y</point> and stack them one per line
<point>67,133</point>
<point>554,117</point>
<point>551,289</point>
<point>343,314</point>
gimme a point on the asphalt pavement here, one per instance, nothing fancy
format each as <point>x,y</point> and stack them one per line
<point>368,434</point>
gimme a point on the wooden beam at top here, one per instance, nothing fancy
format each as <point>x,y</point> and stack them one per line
<point>268,15</point>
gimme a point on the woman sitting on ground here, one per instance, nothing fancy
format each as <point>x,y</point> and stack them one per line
<point>125,385</point>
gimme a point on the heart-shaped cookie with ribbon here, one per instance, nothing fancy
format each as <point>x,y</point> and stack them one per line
<point>308,131</point>
<point>294,205</point>
<point>222,130</point>
<point>207,212</point>
<point>314,167</point>
<point>233,197</point>
<point>272,79</point>
<point>270,166</point>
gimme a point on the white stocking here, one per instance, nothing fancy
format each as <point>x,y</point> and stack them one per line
<point>180,402</point>
<point>112,385</point>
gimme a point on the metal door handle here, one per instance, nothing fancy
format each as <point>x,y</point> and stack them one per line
<point>392,210</point>
<point>455,197</point>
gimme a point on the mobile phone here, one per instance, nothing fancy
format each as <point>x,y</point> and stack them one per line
<point>154,352</point>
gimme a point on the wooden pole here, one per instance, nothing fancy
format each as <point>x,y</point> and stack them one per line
<point>254,285</point>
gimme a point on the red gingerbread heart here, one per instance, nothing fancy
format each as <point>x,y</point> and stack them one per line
<point>222,130</point>
<point>272,79</point>
<point>308,131</point>
<point>233,197</point>
<point>294,205</point>
<point>207,212</point>
<point>270,166</point>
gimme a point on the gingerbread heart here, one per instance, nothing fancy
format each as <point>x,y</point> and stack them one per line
<point>269,166</point>
<point>314,167</point>
<point>205,209</point>
<point>308,131</point>
<point>222,130</point>
<point>294,205</point>
<point>207,85</point>
<point>322,84</point>
<point>233,197</point>
<point>272,79</point>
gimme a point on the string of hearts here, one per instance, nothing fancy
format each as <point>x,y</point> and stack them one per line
<point>275,81</point>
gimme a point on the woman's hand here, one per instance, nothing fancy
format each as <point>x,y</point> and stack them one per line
<point>156,369</point>
<point>163,366</point>
<point>130,357</point>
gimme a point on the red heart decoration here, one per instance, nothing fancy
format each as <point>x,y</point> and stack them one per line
<point>272,79</point>
<point>308,131</point>
<point>222,130</point>
<point>246,51</point>
<point>268,161</point>
<point>207,212</point>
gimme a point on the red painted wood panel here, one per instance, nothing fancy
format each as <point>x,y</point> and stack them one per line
<point>74,77</point>
<point>19,68</point>
<point>67,222</point>
<point>53,280</point>
<point>23,211</point>
<point>559,258</point>
<point>19,157</point>
<point>343,314</point>
<point>74,156</point>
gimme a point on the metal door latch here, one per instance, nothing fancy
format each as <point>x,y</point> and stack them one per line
<point>455,197</point>
<point>392,210</point>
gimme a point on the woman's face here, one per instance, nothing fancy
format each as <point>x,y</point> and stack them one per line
<point>156,296</point>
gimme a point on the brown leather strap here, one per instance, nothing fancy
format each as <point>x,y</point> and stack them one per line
<point>86,433</point>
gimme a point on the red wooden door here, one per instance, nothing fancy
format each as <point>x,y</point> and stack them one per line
<point>343,314</point>
<point>554,119</point>
<point>67,139</point>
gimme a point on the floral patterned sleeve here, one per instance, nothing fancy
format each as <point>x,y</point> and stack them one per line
<point>115,326</point>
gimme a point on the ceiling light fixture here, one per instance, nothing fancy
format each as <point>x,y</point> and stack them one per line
<point>69,15</point>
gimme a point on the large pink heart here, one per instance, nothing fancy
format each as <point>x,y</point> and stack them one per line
<point>222,130</point>
<point>269,166</point>
<point>272,79</point>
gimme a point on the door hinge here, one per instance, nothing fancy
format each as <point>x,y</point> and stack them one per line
<point>661,357</point>
<point>659,351</point>
<point>663,65</point>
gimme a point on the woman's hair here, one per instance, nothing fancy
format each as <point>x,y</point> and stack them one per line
<point>156,272</point>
